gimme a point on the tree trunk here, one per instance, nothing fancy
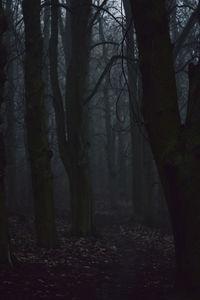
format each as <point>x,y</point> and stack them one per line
<point>10,141</point>
<point>141,195</point>
<point>82,223</point>
<point>175,147</point>
<point>37,141</point>
<point>76,83</point>
<point>57,96</point>
<point>110,133</point>
<point>5,256</point>
<point>73,147</point>
<point>80,189</point>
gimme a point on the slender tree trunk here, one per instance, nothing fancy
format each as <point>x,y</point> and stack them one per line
<point>65,32</point>
<point>72,143</point>
<point>57,96</point>
<point>5,257</point>
<point>175,147</point>
<point>50,118</point>
<point>10,142</point>
<point>138,134</point>
<point>110,133</point>
<point>45,73</point>
<point>37,141</point>
<point>144,170</point>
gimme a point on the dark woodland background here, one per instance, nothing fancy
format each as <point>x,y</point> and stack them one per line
<point>100,149</point>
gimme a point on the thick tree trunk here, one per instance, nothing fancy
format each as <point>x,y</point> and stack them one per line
<point>37,142</point>
<point>10,141</point>
<point>139,192</point>
<point>143,205</point>
<point>5,257</point>
<point>82,222</point>
<point>175,147</point>
<point>73,147</point>
<point>81,202</point>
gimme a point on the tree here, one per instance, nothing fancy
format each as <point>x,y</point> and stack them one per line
<point>74,149</point>
<point>37,142</point>
<point>5,255</point>
<point>175,146</point>
<point>10,140</point>
<point>146,203</point>
<point>110,132</point>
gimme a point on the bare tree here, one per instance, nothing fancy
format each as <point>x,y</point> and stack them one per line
<point>175,146</point>
<point>5,255</point>
<point>37,141</point>
<point>73,146</point>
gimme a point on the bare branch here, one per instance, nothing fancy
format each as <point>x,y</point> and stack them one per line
<point>97,13</point>
<point>192,20</point>
<point>48,3</point>
<point>109,13</point>
<point>103,43</point>
<point>105,71</point>
<point>180,6</point>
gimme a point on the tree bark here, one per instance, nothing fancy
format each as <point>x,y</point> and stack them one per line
<point>57,96</point>
<point>175,147</point>
<point>110,143</point>
<point>37,141</point>
<point>76,83</point>
<point>144,204</point>
<point>73,147</point>
<point>10,141</point>
<point>5,255</point>
<point>137,138</point>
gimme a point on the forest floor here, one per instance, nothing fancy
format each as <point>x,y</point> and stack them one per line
<point>127,262</point>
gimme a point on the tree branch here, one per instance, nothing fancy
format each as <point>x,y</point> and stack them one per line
<point>105,71</point>
<point>97,13</point>
<point>48,3</point>
<point>179,43</point>
<point>103,43</point>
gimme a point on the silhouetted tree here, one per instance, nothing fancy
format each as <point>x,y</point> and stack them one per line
<point>5,255</point>
<point>37,142</point>
<point>146,204</point>
<point>73,146</point>
<point>176,147</point>
<point>10,141</point>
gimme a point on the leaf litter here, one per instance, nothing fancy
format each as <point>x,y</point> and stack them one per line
<point>127,262</point>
